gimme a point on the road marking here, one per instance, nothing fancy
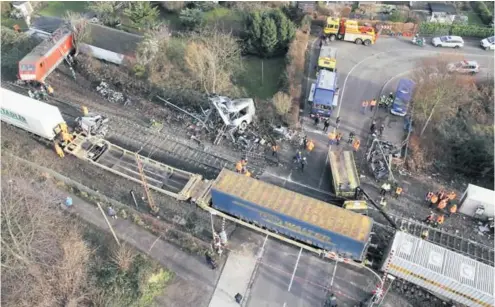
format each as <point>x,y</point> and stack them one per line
<point>262,250</point>
<point>295,268</point>
<point>300,184</point>
<point>285,304</point>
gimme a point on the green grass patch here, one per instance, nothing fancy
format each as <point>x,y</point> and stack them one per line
<point>59,8</point>
<point>252,81</point>
<point>474,19</point>
<point>228,20</point>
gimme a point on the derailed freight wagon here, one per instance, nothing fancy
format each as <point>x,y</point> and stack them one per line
<point>294,215</point>
<point>447,274</point>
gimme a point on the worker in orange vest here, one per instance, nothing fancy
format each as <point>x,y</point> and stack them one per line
<point>238,167</point>
<point>372,104</point>
<point>452,209</point>
<point>310,145</point>
<point>440,220</point>
<point>338,138</point>
<point>356,144</point>
<point>331,138</point>
<point>275,150</point>
<point>442,204</point>
<point>428,197</point>
<point>452,195</point>
<point>433,200</point>
<point>398,192</point>
<point>364,105</point>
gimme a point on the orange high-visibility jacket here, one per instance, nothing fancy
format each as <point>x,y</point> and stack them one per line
<point>442,204</point>
<point>440,219</point>
<point>453,209</point>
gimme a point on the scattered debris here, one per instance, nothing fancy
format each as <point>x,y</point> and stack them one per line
<point>111,95</point>
<point>380,157</point>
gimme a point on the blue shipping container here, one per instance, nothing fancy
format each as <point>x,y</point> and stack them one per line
<point>297,216</point>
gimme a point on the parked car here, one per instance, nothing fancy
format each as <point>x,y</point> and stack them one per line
<point>448,41</point>
<point>488,43</point>
<point>464,67</point>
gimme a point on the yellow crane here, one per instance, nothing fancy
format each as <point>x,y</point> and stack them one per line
<point>151,203</point>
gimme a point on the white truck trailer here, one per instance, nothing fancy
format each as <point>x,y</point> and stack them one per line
<point>31,115</point>
<point>447,274</point>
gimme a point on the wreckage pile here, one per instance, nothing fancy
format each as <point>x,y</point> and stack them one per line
<point>112,96</point>
<point>380,156</point>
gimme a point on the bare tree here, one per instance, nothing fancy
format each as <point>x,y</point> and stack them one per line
<point>43,256</point>
<point>79,27</point>
<point>213,59</point>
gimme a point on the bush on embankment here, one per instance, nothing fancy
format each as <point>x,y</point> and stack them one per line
<point>435,28</point>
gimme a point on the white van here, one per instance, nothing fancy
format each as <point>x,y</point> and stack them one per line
<point>488,43</point>
<point>448,41</point>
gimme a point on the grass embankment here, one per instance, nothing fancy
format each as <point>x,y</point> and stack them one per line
<point>262,77</point>
<point>60,8</point>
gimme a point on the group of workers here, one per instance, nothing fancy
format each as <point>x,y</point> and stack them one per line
<point>335,137</point>
<point>440,200</point>
<point>241,167</point>
<point>368,103</point>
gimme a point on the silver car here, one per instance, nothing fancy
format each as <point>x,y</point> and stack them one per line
<point>448,41</point>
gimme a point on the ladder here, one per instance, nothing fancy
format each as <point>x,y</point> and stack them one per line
<point>475,250</point>
<point>151,202</point>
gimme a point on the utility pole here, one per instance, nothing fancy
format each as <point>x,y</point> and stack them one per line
<point>108,223</point>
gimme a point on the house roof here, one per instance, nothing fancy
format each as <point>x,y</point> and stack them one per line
<point>442,7</point>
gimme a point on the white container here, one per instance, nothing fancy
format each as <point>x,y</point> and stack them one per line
<point>475,197</point>
<point>29,114</point>
<point>443,272</point>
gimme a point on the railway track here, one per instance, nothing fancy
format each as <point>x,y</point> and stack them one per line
<point>453,242</point>
<point>158,144</point>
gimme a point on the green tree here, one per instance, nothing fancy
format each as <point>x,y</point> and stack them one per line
<point>143,15</point>
<point>268,33</point>
<point>14,47</point>
<point>191,18</point>
<point>254,22</point>
<point>285,28</point>
<point>269,40</point>
<point>106,11</point>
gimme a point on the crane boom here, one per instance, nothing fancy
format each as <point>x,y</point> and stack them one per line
<point>151,203</point>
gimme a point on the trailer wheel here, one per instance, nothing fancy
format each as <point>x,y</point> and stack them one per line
<point>340,37</point>
<point>358,41</point>
<point>367,42</point>
<point>332,37</point>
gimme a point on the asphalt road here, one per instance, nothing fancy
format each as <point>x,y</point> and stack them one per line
<point>364,72</point>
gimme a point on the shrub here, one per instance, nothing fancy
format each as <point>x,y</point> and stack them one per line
<point>482,10</point>
<point>191,18</point>
<point>435,28</point>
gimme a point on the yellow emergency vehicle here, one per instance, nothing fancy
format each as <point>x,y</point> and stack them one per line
<point>327,58</point>
<point>349,30</point>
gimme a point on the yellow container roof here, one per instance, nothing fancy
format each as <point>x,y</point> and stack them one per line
<point>344,169</point>
<point>298,206</point>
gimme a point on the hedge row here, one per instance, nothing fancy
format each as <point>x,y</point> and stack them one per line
<point>434,28</point>
<point>482,10</point>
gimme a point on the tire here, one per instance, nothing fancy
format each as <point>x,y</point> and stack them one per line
<point>332,37</point>
<point>456,47</point>
<point>367,42</point>
<point>438,45</point>
<point>358,41</point>
<point>243,125</point>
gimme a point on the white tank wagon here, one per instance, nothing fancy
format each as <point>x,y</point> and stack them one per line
<point>441,271</point>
